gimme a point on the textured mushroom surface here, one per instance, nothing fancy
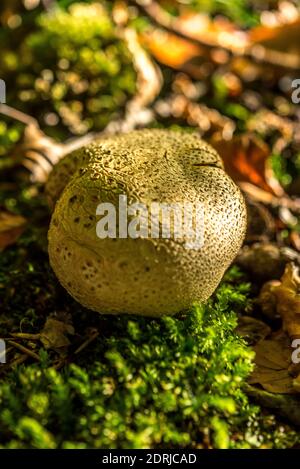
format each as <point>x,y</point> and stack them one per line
<point>144,276</point>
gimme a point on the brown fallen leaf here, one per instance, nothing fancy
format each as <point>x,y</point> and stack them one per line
<point>173,51</point>
<point>273,360</point>
<point>54,334</point>
<point>267,300</point>
<point>288,300</point>
<point>295,240</point>
<point>280,43</point>
<point>253,330</point>
<point>296,383</point>
<point>246,159</point>
<point>11,227</point>
<point>283,298</point>
<point>282,404</point>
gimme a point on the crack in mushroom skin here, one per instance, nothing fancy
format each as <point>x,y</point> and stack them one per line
<point>143,276</point>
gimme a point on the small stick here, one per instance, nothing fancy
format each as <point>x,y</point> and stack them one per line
<point>19,360</point>
<point>78,142</point>
<point>25,350</point>
<point>86,342</point>
<point>25,336</point>
<point>66,360</point>
<point>18,115</point>
<point>62,362</point>
<point>267,198</point>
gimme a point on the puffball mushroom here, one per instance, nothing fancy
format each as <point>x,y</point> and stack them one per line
<point>148,276</point>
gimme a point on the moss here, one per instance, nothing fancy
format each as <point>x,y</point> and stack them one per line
<point>147,383</point>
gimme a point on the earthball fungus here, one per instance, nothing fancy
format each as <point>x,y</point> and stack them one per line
<point>145,222</point>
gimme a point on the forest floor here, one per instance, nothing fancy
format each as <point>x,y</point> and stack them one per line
<point>225,374</point>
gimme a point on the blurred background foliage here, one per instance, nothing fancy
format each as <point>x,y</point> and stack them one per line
<point>67,65</point>
<point>68,69</point>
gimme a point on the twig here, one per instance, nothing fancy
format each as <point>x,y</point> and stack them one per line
<point>19,360</point>
<point>86,342</point>
<point>149,74</point>
<point>64,360</point>
<point>17,115</point>
<point>267,198</point>
<point>25,336</point>
<point>78,142</point>
<point>25,350</point>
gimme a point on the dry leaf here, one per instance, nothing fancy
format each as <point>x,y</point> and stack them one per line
<point>11,227</point>
<point>267,300</point>
<point>287,295</point>
<point>246,159</point>
<point>272,360</point>
<point>54,334</point>
<point>279,44</point>
<point>252,329</point>
<point>295,240</point>
<point>283,404</point>
<point>173,51</point>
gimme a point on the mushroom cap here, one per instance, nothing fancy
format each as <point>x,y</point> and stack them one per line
<point>144,276</point>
